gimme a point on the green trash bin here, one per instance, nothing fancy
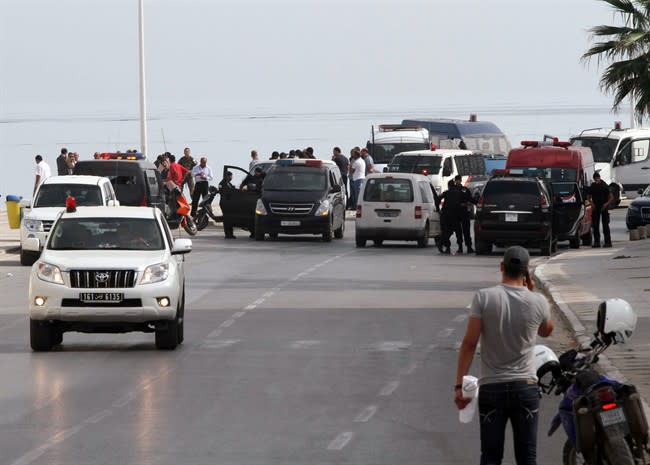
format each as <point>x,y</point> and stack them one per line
<point>13,211</point>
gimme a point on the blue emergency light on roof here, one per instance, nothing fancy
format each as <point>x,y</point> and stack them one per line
<point>299,162</point>
<point>121,156</point>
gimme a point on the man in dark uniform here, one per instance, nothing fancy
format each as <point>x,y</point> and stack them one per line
<point>224,186</point>
<point>226,183</point>
<point>254,181</point>
<point>467,202</point>
<point>451,218</point>
<point>601,198</point>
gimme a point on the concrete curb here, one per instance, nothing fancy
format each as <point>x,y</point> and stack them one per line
<point>579,331</point>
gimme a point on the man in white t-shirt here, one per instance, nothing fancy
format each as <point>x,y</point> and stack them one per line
<point>358,173</point>
<point>42,172</point>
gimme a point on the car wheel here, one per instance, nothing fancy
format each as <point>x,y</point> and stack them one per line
<point>327,235</point>
<point>424,240</point>
<point>482,247</point>
<point>361,242</point>
<point>28,258</point>
<point>587,239</point>
<point>338,233</point>
<point>574,242</point>
<point>167,337</point>
<point>378,242</point>
<point>41,336</point>
<point>259,233</point>
<point>181,318</point>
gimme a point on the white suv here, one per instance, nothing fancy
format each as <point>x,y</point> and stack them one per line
<point>49,201</point>
<point>397,206</point>
<point>108,269</point>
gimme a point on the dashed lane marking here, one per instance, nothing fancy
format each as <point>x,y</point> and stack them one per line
<point>389,388</point>
<point>459,318</point>
<point>250,307</point>
<point>392,346</point>
<point>304,344</point>
<point>341,441</point>
<point>238,314</point>
<point>259,301</point>
<point>219,343</point>
<point>227,323</point>
<point>411,368</point>
<point>214,334</point>
<point>366,414</point>
<point>445,332</point>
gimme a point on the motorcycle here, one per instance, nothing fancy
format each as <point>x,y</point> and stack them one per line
<point>205,212</point>
<point>603,419</point>
<point>182,213</point>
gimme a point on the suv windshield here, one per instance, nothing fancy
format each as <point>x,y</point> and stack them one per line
<point>415,164</point>
<point>388,190</point>
<point>296,179</point>
<point>55,195</point>
<point>602,149</point>
<point>106,233</point>
<point>549,174</point>
<point>384,153</point>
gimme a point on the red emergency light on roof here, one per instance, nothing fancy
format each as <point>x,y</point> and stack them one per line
<point>70,204</point>
<point>554,143</point>
<point>313,162</point>
<point>121,156</point>
<point>433,147</point>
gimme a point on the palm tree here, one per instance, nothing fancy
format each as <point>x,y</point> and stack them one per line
<point>630,44</point>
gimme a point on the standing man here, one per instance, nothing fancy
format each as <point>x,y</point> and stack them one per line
<point>343,164</point>
<point>201,174</point>
<point>61,162</point>
<point>467,203</point>
<point>254,159</point>
<point>506,318</point>
<point>601,198</point>
<point>450,218</point>
<point>188,162</point>
<point>367,159</point>
<point>42,172</point>
<point>358,174</point>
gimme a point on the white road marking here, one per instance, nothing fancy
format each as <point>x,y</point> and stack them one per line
<point>445,332</point>
<point>259,301</point>
<point>250,307</point>
<point>341,441</point>
<point>459,318</point>
<point>266,295</point>
<point>304,344</point>
<point>366,414</point>
<point>214,334</point>
<point>392,346</point>
<point>98,416</point>
<point>457,345</point>
<point>227,323</point>
<point>238,314</point>
<point>219,343</point>
<point>389,388</point>
<point>411,368</point>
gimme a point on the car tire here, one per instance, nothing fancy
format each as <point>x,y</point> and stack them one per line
<point>546,247</point>
<point>378,242</point>
<point>167,338</point>
<point>327,235</point>
<point>361,242</point>
<point>338,233</point>
<point>482,247</point>
<point>424,240</point>
<point>181,318</point>
<point>574,242</point>
<point>28,258</point>
<point>259,233</point>
<point>41,337</point>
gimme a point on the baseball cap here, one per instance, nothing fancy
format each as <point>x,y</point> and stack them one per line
<point>516,257</point>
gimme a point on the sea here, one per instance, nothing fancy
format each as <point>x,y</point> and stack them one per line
<point>226,134</point>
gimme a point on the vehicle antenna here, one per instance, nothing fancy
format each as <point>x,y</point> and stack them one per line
<point>163,136</point>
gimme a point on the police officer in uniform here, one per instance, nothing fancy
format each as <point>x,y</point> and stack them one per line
<point>452,211</point>
<point>601,198</point>
<point>467,202</point>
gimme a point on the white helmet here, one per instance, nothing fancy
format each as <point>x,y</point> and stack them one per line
<point>545,361</point>
<point>616,320</point>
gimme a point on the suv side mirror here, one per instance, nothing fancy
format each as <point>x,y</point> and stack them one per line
<point>335,188</point>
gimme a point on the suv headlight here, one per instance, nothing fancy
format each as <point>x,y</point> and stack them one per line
<point>260,209</point>
<point>155,273</point>
<point>33,225</point>
<point>323,209</point>
<point>49,273</point>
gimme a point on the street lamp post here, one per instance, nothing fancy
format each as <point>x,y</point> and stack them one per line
<point>143,104</point>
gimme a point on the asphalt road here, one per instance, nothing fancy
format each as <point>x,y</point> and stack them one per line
<point>296,352</point>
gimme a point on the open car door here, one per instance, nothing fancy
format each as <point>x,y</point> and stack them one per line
<point>568,211</point>
<point>238,204</point>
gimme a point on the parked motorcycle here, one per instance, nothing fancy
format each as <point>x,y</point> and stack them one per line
<point>603,418</point>
<point>182,213</point>
<point>205,212</point>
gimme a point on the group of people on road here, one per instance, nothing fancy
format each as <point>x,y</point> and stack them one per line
<point>65,162</point>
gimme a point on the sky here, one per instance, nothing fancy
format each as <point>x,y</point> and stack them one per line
<point>294,54</point>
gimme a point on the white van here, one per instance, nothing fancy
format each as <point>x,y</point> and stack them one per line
<point>49,200</point>
<point>387,140</point>
<point>397,206</point>
<point>441,166</point>
<point>621,157</point>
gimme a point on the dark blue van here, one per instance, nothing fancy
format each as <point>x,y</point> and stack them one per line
<point>481,136</point>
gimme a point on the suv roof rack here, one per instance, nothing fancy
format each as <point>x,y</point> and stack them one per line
<point>397,127</point>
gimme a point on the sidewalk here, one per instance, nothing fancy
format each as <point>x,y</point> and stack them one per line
<point>578,280</point>
<point>9,238</point>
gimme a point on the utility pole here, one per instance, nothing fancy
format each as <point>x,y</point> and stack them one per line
<point>143,103</point>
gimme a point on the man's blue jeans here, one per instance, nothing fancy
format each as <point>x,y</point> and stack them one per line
<point>517,401</point>
<point>356,188</point>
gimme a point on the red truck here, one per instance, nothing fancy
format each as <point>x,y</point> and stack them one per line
<point>567,171</point>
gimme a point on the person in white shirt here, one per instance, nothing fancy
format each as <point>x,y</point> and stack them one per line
<point>358,174</point>
<point>201,174</point>
<point>254,159</point>
<point>42,172</point>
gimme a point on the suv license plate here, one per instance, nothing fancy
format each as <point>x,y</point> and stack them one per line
<point>612,417</point>
<point>511,217</point>
<point>111,297</point>
<point>289,223</point>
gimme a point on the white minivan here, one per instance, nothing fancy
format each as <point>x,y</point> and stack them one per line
<point>397,206</point>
